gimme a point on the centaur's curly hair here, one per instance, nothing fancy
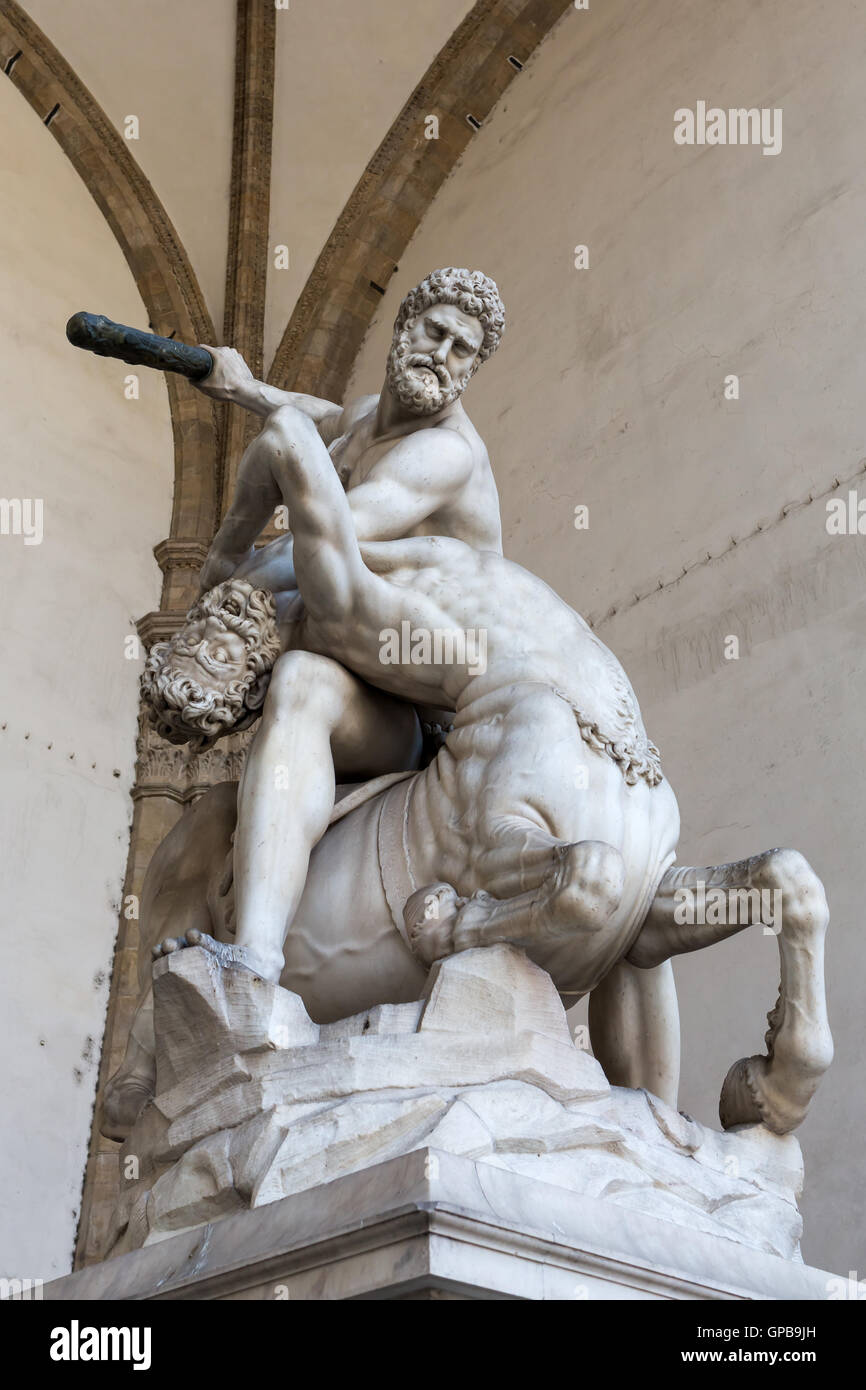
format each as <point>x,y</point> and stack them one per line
<point>184,710</point>
<point>471,291</point>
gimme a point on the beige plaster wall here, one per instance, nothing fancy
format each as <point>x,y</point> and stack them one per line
<point>608,391</point>
<point>102,467</point>
<point>343,73</point>
<point>171,64</point>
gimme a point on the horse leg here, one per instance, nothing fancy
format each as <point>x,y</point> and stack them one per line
<point>774,1089</point>
<point>634,1027</point>
<point>634,1021</point>
<point>134,1083</point>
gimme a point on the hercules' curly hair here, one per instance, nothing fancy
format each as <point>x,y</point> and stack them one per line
<point>470,290</point>
<point>184,710</point>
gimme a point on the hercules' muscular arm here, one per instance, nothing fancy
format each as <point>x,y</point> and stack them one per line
<point>330,569</point>
<point>255,497</point>
<point>230,379</point>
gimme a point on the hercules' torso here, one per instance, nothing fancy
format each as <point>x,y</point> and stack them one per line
<point>471,515</point>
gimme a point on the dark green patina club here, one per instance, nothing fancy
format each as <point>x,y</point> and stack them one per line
<point>101,335</point>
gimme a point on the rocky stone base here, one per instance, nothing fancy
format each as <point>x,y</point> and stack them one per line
<point>255,1102</point>
<point>428,1225</point>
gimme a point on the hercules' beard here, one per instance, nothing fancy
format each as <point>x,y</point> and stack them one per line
<point>416,390</point>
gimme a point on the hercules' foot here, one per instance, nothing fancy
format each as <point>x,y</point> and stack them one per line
<point>244,956</point>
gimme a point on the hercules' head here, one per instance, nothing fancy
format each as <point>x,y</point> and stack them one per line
<point>212,677</point>
<point>447,326</point>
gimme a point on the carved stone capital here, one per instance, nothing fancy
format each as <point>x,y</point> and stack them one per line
<point>175,771</point>
<point>160,625</point>
<point>180,553</point>
<point>180,558</point>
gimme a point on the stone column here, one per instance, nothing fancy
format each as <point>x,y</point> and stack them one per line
<point>169,780</point>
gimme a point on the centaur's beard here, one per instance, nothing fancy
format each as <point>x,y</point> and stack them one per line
<point>421,385</point>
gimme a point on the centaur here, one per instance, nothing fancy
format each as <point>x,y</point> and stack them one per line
<point>544,820</point>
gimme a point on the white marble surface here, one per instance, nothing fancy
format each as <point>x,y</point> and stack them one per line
<point>434,1221</point>
<point>255,1102</point>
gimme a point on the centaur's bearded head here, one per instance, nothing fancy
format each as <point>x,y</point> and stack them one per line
<point>212,677</point>
<point>447,326</point>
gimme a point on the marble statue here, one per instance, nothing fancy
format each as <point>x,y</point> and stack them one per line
<point>349,861</point>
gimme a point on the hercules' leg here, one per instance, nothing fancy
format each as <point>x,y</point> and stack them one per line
<point>316,715</point>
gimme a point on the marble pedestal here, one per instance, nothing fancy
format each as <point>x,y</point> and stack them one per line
<point>255,1102</point>
<point>459,1145</point>
<point>432,1225</point>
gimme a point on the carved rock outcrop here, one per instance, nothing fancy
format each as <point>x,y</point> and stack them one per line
<point>255,1101</point>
